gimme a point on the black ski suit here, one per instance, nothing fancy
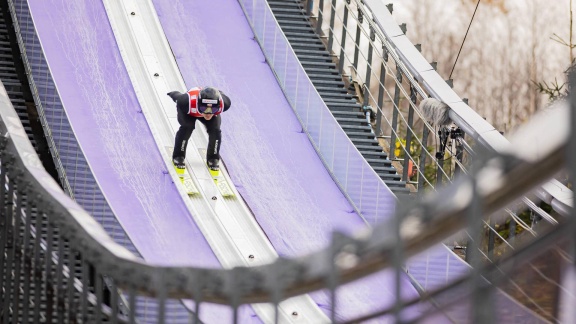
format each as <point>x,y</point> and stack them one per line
<point>188,123</point>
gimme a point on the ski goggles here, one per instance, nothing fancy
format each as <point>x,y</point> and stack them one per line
<point>208,106</point>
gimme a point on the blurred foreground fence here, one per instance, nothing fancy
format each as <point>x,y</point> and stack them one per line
<point>57,265</point>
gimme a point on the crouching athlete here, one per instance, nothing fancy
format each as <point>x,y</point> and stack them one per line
<point>203,104</point>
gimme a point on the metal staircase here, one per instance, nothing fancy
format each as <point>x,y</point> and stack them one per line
<point>13,76</point>
<point>323,72</point>
<point>10,79</point>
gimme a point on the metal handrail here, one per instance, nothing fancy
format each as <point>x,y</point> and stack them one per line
<point>463,116</point>
<point>425,223</point>
<point>390,49</point>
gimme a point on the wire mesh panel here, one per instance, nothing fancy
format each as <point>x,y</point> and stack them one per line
<point>340,156</point>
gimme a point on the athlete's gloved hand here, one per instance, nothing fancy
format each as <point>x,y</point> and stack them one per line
<point>173,95</point>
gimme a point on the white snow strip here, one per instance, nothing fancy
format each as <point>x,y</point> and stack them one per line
<point>226,223</point>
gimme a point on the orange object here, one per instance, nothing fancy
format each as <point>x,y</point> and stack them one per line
<point>412,170</point>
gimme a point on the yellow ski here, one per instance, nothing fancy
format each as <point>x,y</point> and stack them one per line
<point>184,177</point>
<point>219,180</point>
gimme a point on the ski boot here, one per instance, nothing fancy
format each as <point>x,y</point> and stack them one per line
<point>179,166</point>
<point>214,167</point>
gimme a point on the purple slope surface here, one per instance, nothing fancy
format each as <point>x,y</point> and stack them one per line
<point>270,159</point>
<point>104,112</point>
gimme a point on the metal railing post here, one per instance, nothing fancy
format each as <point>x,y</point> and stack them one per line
<point>423,157</point>
<point>413,97</point>
<point>381,92</point>
<point>84,293</point>
<point>71,305</point>
<point>395,111</point>
<point>320,17</point>
<point>458,136</point>
<point>8,248</point>
<point>37,268</point>
<point>357,40</point>
<point>49,280</point>
<point>491,238</point>
<point>343,41</point>
<point>98,291</point>
<point>3,224</point>
<point>18,249</point>
<point>132,305</point>
<point>572,153</point>
<point>60,282</point>
<point>482,304</point>
<point>162,308</point>
<point>511,230</point>
<point>397,262</point>
<point>368,67</point>
<point>27,264</point>
<point>309,6</point>
<point>331,30</point>
<point>439,169</point>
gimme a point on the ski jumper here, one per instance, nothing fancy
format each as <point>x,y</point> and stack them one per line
<point>188,114</point>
